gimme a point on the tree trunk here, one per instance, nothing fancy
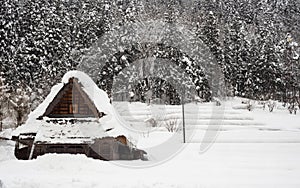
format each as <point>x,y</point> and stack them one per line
<point>19,117</point>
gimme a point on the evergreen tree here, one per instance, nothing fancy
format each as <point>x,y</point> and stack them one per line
<point>290,57</point>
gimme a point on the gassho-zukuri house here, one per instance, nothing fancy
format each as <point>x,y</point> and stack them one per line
<point>76,118</point>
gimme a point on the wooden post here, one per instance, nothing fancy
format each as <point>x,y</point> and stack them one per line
<point>1,119</point>
<point>31,151</point>
<point>183,118</point>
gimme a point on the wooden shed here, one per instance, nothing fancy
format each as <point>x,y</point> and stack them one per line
<point>72,119</point>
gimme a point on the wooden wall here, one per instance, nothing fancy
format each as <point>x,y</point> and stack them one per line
<point>73,103</point>
<point>108,148</point>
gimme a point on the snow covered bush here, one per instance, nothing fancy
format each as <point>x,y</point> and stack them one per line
<point>293,108</point>
<point>271,105</point>
<point>217,100</point>
<point>152,122</point>
<point>250,107</point>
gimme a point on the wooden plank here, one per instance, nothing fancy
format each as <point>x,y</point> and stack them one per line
<point>63,109</point>
<point>63,112</point>
<point>67,98</point>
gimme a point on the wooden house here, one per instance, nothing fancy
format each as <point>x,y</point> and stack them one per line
<point>76,118</point>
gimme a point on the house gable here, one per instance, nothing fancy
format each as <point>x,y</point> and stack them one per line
<point>72,102</point>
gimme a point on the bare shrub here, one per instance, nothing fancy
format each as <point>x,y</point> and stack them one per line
<point>173,125</point>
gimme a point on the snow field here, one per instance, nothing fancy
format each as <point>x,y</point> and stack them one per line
<point>224,165</point>
<point>252,149</point>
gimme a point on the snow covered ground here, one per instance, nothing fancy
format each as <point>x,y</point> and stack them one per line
<point>251,149</point>
<point>224,165</point>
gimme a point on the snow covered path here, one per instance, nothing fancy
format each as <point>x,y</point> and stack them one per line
<point>224,165</point>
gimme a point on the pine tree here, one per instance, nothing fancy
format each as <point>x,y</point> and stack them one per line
<point>290,57</point>
<point>3,99</point>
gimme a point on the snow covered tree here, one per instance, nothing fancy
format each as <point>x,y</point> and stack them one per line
<point>291,64</point>
<point>6,109</point>
<point>20,102</point>
<point>3,99</point>
<point>41,40</point>
<point>209,33</point>
<point>236,57</point>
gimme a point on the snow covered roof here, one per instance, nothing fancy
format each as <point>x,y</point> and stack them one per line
<point>109,125</point>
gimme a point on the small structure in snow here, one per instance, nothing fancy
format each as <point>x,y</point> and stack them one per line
<point>77,118</point>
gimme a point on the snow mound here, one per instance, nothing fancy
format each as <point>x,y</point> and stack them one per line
<point>6,150</point>
<point>6,133</point>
